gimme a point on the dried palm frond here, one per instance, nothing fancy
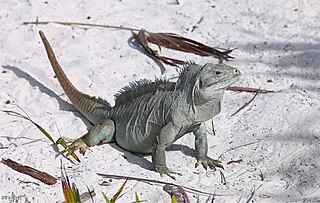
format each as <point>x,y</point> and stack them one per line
<point>168,40</point>
<point>176,42</point>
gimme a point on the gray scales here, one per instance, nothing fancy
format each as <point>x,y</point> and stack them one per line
<point>150,116</point>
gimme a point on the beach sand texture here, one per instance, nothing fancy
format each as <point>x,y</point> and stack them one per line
<point>277,136</point>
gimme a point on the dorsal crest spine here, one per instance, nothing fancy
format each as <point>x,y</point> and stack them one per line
<point>142,87</point>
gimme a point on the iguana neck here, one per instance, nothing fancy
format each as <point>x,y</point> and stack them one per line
<point>205,108</point>
<point>207,96</point>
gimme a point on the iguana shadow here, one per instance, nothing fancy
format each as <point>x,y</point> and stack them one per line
<point>134,158</point>
<point>63,105</point>
<point>186,150</point>
<point>140,159</point>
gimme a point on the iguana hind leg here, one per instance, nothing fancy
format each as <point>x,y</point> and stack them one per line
<point>201,146</point>
<point>100,133</point>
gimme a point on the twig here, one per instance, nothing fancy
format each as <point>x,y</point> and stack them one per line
<point>248,89</point>
<point>191,190</point>
<point>213,131</point>
<point>79,24</point>
<point>212,198</point>
<point>261,175</point>
<point>39,175</point>
<point>85,194</point>
<point>223,178</point>
<point>235,161</point>
<point>245,104</point>
<point>197,24</point>
<point>252,194</point>
<point>244,145</point>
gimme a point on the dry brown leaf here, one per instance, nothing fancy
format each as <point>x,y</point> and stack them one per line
<point>39,175</point>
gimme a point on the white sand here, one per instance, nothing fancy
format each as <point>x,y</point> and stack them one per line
<point>276,40</point>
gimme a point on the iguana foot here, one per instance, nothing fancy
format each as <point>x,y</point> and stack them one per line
<point>208,162</point>
<point>163,170</point>
<point>79,144</point>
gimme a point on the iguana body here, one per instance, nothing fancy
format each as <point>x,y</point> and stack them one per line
<point>150,116</point>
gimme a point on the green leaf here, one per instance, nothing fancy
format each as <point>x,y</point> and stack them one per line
<point>105,198</point>
<point>137,198</point>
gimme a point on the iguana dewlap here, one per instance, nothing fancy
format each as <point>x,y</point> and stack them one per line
<point>150,116</point>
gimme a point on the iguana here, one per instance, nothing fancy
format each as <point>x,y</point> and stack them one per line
<point>150,116</point>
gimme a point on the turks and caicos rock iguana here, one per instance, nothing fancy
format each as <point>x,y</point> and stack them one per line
<point>150,116</point>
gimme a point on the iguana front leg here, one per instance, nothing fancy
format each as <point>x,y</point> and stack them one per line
<point>166,137</point>
<point>201,146</point>
<point>100,133</point>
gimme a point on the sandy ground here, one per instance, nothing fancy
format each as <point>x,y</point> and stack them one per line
<point>277,136</point>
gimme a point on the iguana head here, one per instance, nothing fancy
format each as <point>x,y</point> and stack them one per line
<point>202,84</point>
<point>216,76</point>
<point>213,79</point>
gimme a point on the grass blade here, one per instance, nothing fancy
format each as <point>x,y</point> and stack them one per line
<point>59,141</point>
<point>106,198</point>
<point>71,193</point>
<point>137,198</point>
<point>116,196</point>
<point>16,114</point>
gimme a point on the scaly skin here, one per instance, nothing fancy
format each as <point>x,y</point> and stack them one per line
<point>157,115</point>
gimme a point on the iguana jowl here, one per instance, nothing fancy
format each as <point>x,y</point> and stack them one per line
<point>150,116</point>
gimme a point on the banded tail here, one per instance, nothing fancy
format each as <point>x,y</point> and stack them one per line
<point>92,108</point>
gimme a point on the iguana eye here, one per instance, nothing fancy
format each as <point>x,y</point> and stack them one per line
<point>218,72</point>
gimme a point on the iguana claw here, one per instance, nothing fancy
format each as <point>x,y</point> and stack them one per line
<point>208,162</point>
<point>79,144</point>
<point>163,170</point>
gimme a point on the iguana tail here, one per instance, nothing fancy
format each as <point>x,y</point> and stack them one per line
<point>92,108</point>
